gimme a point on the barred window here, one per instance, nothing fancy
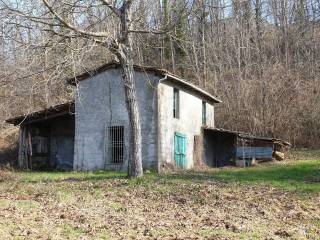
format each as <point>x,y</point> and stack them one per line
<point>116,143</point>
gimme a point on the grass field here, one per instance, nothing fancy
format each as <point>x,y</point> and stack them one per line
<point>271,201</point>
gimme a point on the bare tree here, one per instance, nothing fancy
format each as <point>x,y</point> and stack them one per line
<point>120,44</point>
<point>260,57</point>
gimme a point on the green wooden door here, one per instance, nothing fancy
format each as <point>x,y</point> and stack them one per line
<point>180,150</point>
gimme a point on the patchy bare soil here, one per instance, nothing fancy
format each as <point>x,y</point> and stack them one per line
<point>8,147</point>
<point>185,206</point>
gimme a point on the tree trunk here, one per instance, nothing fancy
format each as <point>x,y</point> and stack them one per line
<point>123,50</point>
<point>135,158</point>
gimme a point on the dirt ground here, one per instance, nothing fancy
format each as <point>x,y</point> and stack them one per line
<point>8,147</point>
<point>184,206</point>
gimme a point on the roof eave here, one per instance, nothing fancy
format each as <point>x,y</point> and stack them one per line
<point>156,71</point>
<point>112,65</point>
<point>202,92</point>
<point>43,114</point>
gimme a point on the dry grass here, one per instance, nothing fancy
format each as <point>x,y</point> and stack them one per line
<point>106,205</point>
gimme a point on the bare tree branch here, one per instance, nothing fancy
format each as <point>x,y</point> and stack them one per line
<point>111,7</point>
<point>72,27</point>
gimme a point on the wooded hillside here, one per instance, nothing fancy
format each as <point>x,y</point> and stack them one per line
<point>261,57</point>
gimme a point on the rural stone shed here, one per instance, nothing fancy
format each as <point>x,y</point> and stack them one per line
<point>226,148</point>
<point>46,139</point>
<point>172,115</point>
<point>93,133</point>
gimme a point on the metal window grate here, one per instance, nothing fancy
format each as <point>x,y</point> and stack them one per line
<point>116,143</point>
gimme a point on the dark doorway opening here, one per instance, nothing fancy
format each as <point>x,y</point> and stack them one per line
<point>50,143</point>
<point>220,148</point>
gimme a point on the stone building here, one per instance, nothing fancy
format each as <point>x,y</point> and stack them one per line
<point>93,132</point>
